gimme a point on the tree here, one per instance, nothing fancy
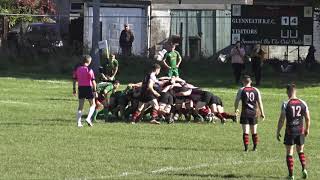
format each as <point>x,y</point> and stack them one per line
<point>316,3</point>
<point>28,8</point>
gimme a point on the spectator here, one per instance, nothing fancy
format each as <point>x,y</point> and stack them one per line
<point>257,56</point>
<point>126,40</point>
<point>237,60</point>
<point>310,59</point>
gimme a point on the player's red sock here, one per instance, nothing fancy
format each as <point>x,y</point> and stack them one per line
<point>154,114</point>
<point>229,116</point>
<point>290,162</point>
<point>226,115</point>
<point>302,160</point>
<point>245,141</point>
<point>219,115</point>
<point>255,140</point>
<point>135,116</point>
<point>204,111</point>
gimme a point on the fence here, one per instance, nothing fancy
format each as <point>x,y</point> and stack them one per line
<point>204,33</point>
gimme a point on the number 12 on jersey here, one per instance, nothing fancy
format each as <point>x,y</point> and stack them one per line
<point>296,111</point>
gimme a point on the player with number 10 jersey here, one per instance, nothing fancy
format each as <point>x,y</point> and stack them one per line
<point>251,99</point>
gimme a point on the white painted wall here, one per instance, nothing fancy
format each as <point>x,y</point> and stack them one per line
<point>316,38</point>
<point>160,27</point>
<point>113,19</point>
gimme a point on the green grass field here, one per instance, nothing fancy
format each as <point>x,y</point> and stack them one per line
<point>39,138</point>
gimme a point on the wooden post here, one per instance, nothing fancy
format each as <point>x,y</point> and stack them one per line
<point>95,36</point>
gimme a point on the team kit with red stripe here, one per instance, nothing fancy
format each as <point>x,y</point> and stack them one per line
<point>297,116</point>
<point>295,110</point>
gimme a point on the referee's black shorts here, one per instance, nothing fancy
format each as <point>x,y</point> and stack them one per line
<point>85,92</point>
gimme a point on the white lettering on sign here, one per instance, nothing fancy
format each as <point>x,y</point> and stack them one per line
<point>253,21</point>
<point>244,31</point>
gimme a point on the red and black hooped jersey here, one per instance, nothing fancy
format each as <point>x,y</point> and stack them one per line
<point>295,110</point>
<point>249,97</point>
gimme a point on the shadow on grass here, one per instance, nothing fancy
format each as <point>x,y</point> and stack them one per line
<point>224,176</point>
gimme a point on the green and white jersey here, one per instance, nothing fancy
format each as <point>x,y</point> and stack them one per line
<point>105,87</point>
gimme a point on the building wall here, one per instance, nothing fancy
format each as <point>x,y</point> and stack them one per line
<point>112,20</point>
<point>197,4</point>
<point>160,29</point>
<point>283,2</point>
<point>215,27</point>
<point>316,34</point>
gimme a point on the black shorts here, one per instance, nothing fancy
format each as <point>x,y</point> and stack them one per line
<point>85,92</point>
<point>166,98</point>
<point>294,139</point>
<point>216,100</point>
<point>249,120</point>
<point>120,98</point>
<point>207,97</point>
<point>179,99</point>
<point>146,97</point>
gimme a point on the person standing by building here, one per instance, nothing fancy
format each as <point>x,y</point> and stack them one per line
<point>257,57</point>
<point>126,40</point>
<point>295,111</point>
<point>172,60</point>
<point>237,60</point>
<point>310,59</point>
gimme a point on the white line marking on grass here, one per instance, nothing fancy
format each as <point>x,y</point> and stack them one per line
<point>168,169</point>
<point>174,169</point>
<point>13,102</point>
<point>53,81</point>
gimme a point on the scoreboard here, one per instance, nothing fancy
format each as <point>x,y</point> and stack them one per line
<point>272,25</point>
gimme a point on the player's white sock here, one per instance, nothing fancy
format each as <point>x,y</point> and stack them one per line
<point>91,111</point>
<point>79,114</point>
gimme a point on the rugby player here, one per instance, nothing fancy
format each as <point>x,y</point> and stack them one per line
<point>148,95</point>
<point>251,98</point>
<point>294,111</point>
